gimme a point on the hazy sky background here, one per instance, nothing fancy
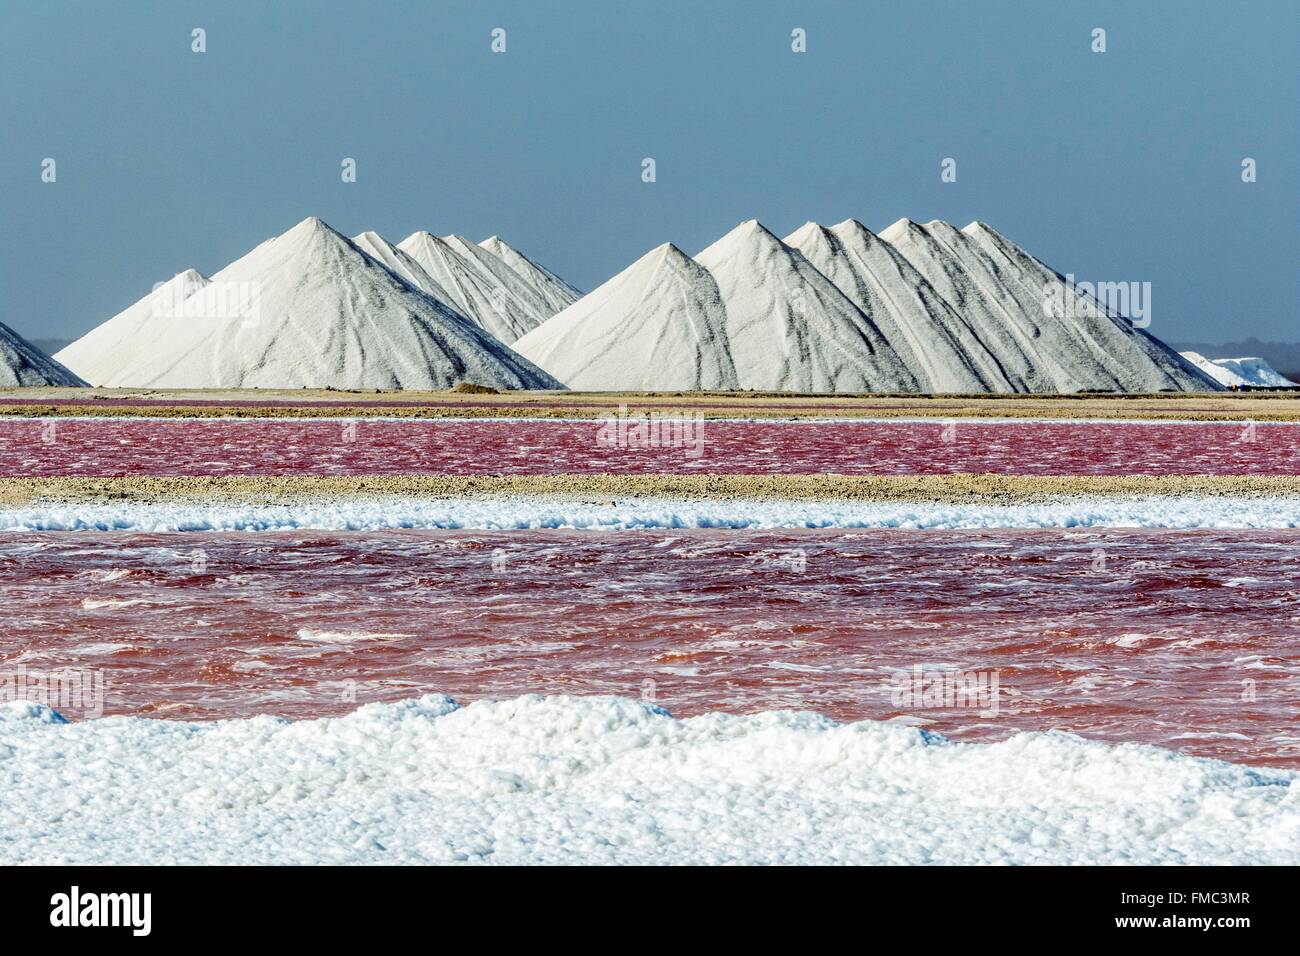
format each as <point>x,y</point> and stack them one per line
<point>1116,166</point>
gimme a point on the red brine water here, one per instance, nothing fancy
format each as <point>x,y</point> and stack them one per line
<point>112,447</point>
<point>1187,639</point>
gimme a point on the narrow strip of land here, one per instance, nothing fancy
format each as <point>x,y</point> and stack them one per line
<point>964,488</point>
<point>269,403</point>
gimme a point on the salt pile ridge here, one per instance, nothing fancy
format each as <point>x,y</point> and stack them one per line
<point>558,294</point>
<point>475,291</point>
<point>402,265</point>
<point>658,324</point>
<point>965,282</point>
<point>789,328</point>
<point>931,338</point>
<point>1239,371</point>
<point>530,300</point>
<point>22,363</point>
<point>1086,342</point>
<point>311,309</point>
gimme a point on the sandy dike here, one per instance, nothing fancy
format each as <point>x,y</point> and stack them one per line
<point>603,488</point>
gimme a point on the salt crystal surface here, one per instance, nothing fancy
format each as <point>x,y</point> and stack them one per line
<point>1083,345</point>
<point>610,780</point>
<point>403,265</point>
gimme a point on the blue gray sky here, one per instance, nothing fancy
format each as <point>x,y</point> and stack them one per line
<point>1124,165</point>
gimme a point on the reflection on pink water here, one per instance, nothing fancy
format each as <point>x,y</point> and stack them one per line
<point>105,447</point>
<point>1186,639</point>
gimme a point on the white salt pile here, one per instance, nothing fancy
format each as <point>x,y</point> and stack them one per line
<point>608,780</point>
<point>1239,371</point>
<point>998,322</point>
<point>918,308</point>
<point>307,309</point>
<point>286,315</point>
<point>789,327</point>
<point>658,324</point>
<point>22,363</point>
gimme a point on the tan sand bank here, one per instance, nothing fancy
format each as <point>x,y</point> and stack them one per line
<point>972,489</point>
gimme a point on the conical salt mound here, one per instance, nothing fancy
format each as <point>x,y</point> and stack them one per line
<point>475,292</point>
<point>933,341</point>
<point>558,294</point>
<point>23,364</point>
<point>789,327</point>
<point>310,309</point>
<point>1100,348</point>
<point>100,354</point>
<point>657,325</point>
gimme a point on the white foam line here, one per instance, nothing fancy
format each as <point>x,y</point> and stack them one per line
<point>538,512</point>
